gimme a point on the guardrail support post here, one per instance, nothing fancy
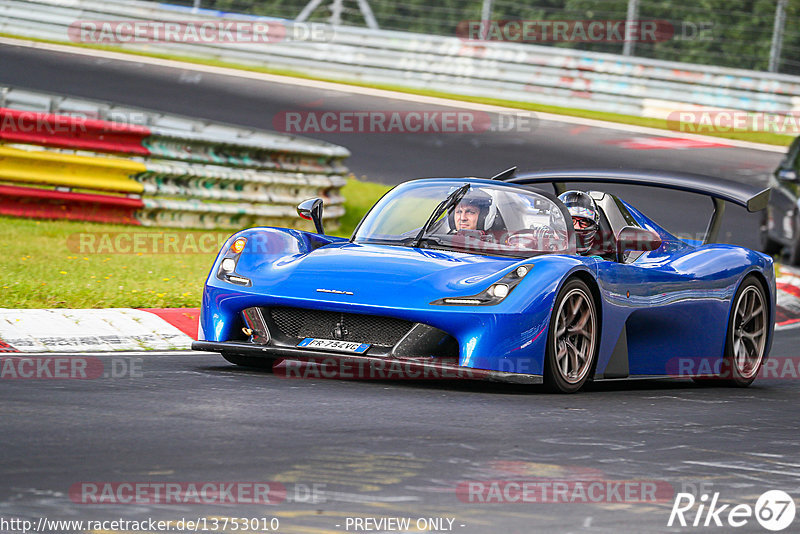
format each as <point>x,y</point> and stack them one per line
<point>486,17</point>
<point>306,11</point>
<point>630,20</point>
<point>336,12</point>
<point>363,5</point>
<point>777,36</point>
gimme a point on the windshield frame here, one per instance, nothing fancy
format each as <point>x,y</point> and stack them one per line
<point>457,182</point>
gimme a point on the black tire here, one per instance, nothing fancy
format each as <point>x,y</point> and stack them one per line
<point>767,244</point>
<point>574,306</point>
<point>250,361</point>
<point>749,320</point>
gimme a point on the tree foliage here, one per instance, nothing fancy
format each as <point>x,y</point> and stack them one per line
<point>733,33</point>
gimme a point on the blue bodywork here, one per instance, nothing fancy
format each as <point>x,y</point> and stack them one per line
<point>669,304</point>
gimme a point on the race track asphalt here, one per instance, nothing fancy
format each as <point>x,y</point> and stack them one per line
<point>391,448</point>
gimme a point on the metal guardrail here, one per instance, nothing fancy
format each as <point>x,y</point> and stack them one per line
<point>44,167</point>
<point>512,71</point>
<point>187,173</point>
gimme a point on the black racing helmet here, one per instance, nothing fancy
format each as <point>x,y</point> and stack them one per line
<point>581,206</point>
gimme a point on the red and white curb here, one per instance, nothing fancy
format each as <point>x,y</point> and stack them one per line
<point>106,330</point>
<point>787,314</point>
<point>123,329</point>
<point>666,143</point>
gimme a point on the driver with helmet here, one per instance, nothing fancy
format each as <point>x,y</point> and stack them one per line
<point>585,218</point>
<point>475,212</point>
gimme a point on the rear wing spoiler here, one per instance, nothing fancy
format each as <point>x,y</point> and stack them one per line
<point>753,198</point>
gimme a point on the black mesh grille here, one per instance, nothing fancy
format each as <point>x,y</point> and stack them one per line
<point>300,323</point>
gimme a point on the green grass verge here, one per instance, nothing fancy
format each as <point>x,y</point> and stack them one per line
<point>360,196</point>
<point>67,264</point>
<point>742,135</point>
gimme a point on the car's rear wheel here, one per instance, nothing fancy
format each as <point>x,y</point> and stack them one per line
<point>748,331</point>
<point>250,361</point>
<point>572,341</point>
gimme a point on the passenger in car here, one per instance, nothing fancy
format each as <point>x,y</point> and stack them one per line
<point>585,218</point>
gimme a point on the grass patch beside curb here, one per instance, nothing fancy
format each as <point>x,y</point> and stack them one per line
<point>45,264</point>
<point>360,197</point>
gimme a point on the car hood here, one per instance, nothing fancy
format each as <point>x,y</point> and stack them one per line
<point>348,272</point>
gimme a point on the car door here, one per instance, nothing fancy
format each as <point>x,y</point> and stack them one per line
<point>782,214</point>
<point>666,305</point>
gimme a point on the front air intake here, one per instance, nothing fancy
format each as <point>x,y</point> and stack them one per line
<point>300,323</point>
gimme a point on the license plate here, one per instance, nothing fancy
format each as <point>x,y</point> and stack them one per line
<point>332,344</point>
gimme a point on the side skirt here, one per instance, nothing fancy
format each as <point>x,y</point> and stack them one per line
<point>618,363</point>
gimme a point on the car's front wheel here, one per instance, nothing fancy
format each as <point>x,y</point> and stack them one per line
<point>572,341</point>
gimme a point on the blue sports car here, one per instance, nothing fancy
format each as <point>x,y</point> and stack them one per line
<point>502,278</point>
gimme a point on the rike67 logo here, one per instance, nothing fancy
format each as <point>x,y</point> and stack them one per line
<point>774,510</point>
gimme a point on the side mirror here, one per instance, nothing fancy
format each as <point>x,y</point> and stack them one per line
<point>311,210</point>
<point>787,175</point>
<point>639,239</point>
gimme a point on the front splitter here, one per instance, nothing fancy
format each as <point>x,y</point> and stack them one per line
<point>383,367</point>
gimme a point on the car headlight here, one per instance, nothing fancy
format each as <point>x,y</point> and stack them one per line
<point>493,295</point>
<point>499,291</point>
<point>238,246</point>
<point>227,267</point>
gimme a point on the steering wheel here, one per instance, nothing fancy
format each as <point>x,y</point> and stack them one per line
<point>532,238</point>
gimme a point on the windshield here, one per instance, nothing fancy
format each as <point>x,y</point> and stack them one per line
<point>468,217</point>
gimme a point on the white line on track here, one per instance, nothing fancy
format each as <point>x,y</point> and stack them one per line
<point>355,498</point>
<point>378,93</point>
<point>795,474</point>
